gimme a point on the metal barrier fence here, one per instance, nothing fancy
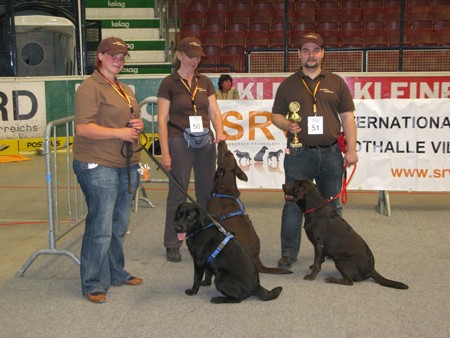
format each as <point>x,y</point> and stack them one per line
<point>66,209</point>
<point>355,60</point>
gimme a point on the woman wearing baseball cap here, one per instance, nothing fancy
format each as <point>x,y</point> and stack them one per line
<point>186,99</point>
<point>106,119</point>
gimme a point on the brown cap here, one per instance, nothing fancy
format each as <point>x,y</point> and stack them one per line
<point>191,46</point>
<point>311,37</point>
<point>112,46</point>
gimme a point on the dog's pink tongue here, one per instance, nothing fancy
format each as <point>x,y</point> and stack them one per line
<point>289,197</point>
<point>181,236</point>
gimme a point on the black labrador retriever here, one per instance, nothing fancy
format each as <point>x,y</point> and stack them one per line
<point>332,236</point>
<point>213,249</point>
<point>226,206</point>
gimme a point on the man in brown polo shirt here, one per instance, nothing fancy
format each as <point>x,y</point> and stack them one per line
<point>323,104</point>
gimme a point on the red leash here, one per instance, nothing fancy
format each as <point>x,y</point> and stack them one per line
<point>345,183</point>
<point>343,193</point>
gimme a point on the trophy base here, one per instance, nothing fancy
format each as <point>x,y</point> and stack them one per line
<point>296,145</point>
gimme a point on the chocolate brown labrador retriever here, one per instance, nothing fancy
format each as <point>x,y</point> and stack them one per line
<point>227,208</point>
<point>332,236</point>
<point>215,250</point>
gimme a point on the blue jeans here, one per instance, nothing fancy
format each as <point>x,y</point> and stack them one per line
<point>109,204</point>
<point>325,166</point>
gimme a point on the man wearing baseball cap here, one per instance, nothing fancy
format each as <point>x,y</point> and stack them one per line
<point>313,105</point>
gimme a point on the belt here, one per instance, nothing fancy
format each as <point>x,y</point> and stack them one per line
<point>320,147</point>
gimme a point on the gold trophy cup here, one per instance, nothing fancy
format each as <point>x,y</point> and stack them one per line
<point>294,108</point>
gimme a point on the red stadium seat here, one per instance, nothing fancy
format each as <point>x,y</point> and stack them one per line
<point>219,5</point>
<point>209,64</point>
<point>375,38</point>
<point>277,39</point>
<point>417,13</point>
<point>198,6</point>
<point>195,17</point>
<point>394,37</point>
<point>258,39</point>
<point>444,37</point>
<point>214,27</point>
<point>350,14</point>
<point>304,27</point>
<point>424,37</point>
<point>262,5</point>
<point>328,26</point>
<point>351,38</point>
<point>211,49</point>
<point>328,4</point>
<point>371,25</point>
<point>305,5</point>
<point>262,15</point>
<point>237,27</point>
<point>235,38</point>
<point>194,28</point>
<point>305,15</point>
<point>217,16</point>
<point>350,25</point>
<point>327,14</point>
<point>351,4</point>
<point>239,16</point>
<point>212,38</point>
<point>330,38</point>
<point>258,26</point>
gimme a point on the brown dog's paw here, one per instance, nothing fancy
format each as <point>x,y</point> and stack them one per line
<point>310,276</point>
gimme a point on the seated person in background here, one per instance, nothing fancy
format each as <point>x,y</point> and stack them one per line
<point>226,90</point>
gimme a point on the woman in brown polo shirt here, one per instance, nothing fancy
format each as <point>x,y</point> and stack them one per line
<point>188,100</point>
<point>106,119</point>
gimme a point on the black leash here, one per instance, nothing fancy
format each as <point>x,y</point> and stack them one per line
<point>127,152</point>
<point>172,177</point>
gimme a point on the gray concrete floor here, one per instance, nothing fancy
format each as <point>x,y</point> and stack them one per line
<point>410,246</point>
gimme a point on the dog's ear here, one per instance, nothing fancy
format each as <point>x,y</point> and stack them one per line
<point>177,213</point>
<point>203,216</point>
<point>240,174</point>
<point>300,191</point>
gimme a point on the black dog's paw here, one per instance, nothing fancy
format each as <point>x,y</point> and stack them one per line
<point>190,292</point>
<point>206,282</point>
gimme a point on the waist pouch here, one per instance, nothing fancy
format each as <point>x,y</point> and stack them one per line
<point>197,139</point>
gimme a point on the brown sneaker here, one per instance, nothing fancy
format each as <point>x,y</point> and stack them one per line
<point>96,297</point>
<point>173,254</point>
<point>133,281</point>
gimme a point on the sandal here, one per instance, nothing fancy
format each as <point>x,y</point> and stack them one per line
<point>133,281</point>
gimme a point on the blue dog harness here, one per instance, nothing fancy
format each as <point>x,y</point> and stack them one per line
<point>241,210</point>
<point>222,244</point>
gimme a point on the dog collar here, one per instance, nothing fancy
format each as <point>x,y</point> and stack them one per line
<point>314,209</point>
<point>219,248</point>
<point>192,234</point>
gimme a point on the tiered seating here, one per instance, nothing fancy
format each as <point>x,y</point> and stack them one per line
<point>343,24</point>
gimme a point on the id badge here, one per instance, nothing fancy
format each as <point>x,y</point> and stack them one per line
<point>315,125</point>
<point>196,124</point>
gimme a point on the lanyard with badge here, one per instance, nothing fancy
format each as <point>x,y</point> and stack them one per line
<point>119,90</point>
<point>195,122</point>
<point>315,123</point>
<point>126,150</point>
